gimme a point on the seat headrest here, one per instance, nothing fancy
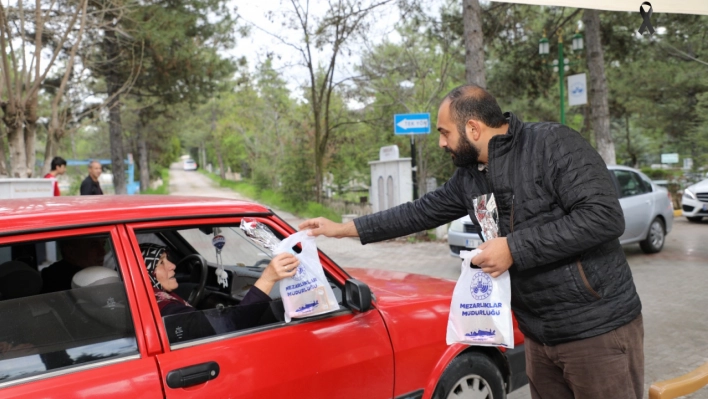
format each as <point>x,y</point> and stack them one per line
<point>18,280</point>
<point>94,275</point>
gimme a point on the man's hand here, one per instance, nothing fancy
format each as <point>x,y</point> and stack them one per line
<point>328,228</point>
<point>495,257</point>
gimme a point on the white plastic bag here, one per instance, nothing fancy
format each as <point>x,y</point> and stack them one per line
<point>480,312</point>
<point>307,293</point>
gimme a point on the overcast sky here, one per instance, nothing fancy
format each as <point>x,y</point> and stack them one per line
<point>288,61</point>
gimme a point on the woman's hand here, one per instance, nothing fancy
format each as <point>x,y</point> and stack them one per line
<point>280,267</point>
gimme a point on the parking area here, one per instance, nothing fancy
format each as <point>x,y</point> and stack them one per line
<point>671,284</point>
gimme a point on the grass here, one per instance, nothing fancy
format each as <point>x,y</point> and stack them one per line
<point>165,187</point>
<point>274,199</point>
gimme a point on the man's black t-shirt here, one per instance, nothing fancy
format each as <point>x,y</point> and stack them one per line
<point>90,187</point>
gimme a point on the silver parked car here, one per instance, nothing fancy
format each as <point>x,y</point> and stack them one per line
<point>648,214</point>
<point>694,202</point>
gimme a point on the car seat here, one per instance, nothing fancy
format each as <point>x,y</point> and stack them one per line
<point>101,304</point>
<point>17,280</point>
<point>28,317</point>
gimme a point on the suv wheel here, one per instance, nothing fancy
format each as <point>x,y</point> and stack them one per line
<point>655,238</point>
<point>471,376</point>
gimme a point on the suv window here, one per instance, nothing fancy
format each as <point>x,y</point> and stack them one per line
<point>630,183</point>
<point>60,307</point>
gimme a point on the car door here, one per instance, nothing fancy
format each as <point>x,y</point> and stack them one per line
<point>637,204</point>
<point>59,339</point>
<point>330,355</point>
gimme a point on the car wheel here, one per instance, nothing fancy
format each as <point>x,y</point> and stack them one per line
<point>471,376</point>
<point>694,219</point>
<point>655,239</point>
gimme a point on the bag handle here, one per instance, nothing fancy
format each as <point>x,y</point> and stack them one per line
<point>300,237</point>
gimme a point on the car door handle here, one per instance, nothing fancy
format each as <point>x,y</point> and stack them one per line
<point>192,375</point>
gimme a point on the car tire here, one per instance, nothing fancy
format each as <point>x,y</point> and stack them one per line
<point>694,219</point>
<point>471,375</point>
<point>655,237</point>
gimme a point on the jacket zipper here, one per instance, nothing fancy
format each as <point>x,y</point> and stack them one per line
<point>586,282</point>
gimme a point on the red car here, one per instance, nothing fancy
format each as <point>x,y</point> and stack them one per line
<point>103,337</point>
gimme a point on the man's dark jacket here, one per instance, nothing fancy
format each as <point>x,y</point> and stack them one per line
<point>559,210</point>
<point>90,187</point>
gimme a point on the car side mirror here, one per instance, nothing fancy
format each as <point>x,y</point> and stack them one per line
<point>358,295</point>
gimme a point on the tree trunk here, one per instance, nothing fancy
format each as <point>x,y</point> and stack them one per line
<point>222,171</point>
<point>115,129</point>
<point>143,159</point>
<point>474,43</point>
<point>598,88</point>
<point>3,154</point>
<point>16,142</point>
<point>49,151</point>
<point>31,135</point>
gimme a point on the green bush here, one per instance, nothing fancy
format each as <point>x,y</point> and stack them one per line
<point>165,187</point>
<point>276,200</point>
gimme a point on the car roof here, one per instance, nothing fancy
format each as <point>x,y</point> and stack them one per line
<point>49,213</point>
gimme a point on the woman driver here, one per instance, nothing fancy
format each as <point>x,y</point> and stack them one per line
<point>195,324</point>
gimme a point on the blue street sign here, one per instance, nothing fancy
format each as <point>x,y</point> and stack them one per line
<point>411,124</point>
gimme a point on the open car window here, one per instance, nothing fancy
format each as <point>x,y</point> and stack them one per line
<point>223,310</point>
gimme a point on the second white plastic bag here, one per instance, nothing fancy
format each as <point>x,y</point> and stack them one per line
<point>480,312</point>
<point>307,293</point>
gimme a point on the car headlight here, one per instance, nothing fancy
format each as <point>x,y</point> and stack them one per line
<point>688,194</point>
<point>457,226</point>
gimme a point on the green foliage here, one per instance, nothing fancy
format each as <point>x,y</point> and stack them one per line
<point>164,188</point>
<point>306,209</point>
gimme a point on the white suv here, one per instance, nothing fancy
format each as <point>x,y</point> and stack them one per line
<point>694,202</point>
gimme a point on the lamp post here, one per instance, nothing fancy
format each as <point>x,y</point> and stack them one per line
<point>562,64</point>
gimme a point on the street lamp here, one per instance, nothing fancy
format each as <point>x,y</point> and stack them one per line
<point>562,64</point>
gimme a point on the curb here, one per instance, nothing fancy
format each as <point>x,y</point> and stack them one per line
<point>678,212</point>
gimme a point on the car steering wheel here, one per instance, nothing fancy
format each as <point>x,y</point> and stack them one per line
<point>197,273</point>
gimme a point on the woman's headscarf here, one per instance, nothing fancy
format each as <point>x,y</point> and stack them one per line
<point>152,254</point>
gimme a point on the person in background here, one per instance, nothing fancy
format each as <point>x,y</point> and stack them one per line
<point>76,255</point>
<point>90,184</point>
<point>58,168</point>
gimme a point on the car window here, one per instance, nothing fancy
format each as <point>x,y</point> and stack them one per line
<point>630,183</point>
<point>223,310</point>
<point>647,184</point>
<point>60,307</point>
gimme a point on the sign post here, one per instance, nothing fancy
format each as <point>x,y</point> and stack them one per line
<point>412,124</point>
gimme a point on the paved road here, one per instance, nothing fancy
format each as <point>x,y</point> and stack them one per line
<point>672,284</point>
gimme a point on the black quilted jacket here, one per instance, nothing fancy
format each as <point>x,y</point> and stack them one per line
<point>559,210</point>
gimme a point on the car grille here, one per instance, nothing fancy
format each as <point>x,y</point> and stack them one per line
<point>470,228</point>
<point>688,208</point>
<point>703,197</point>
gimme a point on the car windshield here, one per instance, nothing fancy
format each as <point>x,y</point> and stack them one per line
<point>238,250</point>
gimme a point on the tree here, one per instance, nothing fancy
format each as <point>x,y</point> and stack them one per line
<point>20,80</point>
<point>169,54</point>
<point>331,33</point>
<point>474,43</point>
<point>598,87</point>
<point>409,77</point>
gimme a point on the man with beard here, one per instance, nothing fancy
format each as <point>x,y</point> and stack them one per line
<point>559,223</point>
